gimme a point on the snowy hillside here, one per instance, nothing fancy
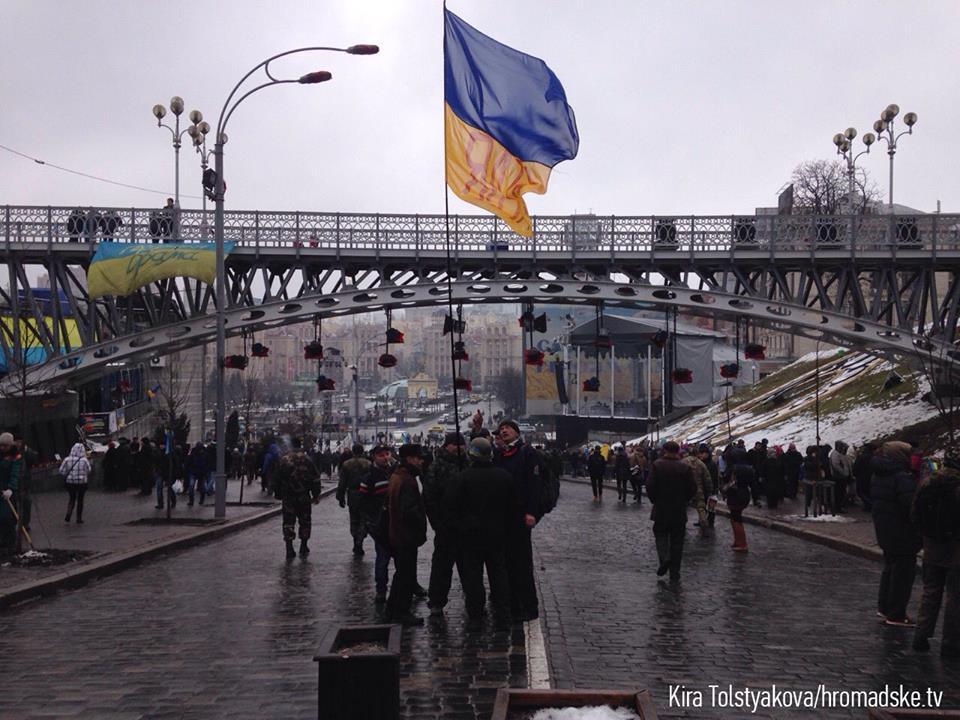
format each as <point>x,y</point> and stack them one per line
<point>854,405</point>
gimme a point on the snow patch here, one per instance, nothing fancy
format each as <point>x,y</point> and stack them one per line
<point>819,518</point>
<point>585,713</point>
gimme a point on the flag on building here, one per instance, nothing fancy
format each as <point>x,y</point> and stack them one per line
<point>120,268</point>
<point>153,392</point>
<point>507,123</point>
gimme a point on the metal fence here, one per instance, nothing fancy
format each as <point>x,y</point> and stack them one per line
<point>562,235</point>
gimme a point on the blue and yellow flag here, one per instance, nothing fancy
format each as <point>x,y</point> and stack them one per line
<point>507,123</point>
<point>120,268</point>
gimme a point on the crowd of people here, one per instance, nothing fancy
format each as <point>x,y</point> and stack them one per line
<point>482,499</point>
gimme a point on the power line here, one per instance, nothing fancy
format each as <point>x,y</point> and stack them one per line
<point>38,161</point>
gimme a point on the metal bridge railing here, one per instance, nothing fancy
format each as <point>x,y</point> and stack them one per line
<point>566,235</point>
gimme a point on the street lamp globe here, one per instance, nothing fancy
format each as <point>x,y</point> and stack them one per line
<point>850,133</point>
<point>869,139</point>
<point>204,127</point>
<point>176,105</point>
<point>910,119</point>
<point>223,138</point>
<point>893,109</point>
<point>196,116</point>
<point>838,139</point>
<point>159,111</point>
<point>879,126</point>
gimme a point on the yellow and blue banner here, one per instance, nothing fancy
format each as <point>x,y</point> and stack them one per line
<point>507,123</point>
<point>120,268</point>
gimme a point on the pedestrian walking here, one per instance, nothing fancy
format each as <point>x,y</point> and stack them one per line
<point>297,486</point>
<point>111,467</point>
<point>638,472</point>
<point>75,471</point>
<point>483,502</point>
<point>597,467</point>
<point>892,488</point>
<point>439,484</point>
<point>737,491</point>
<point>29,459</point>
<point>621,469</point>
<point>523,464</point>
<point>196,470</point>
<point>352,473</point>
<point>670,488</point>
<point>701,477</point>
<point>407,531</point>
<point>936,510</point>
<point>774,482</point>
<point>706,457</point>
<point>11,467</point>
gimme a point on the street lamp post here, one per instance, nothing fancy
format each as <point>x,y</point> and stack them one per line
<point>844,141</point>
<point>885,132</point>
<point>159,112</point>
<point>220,509</point>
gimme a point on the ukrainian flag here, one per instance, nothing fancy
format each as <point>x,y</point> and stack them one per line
<point>507,123</point>
<point>120,268</point>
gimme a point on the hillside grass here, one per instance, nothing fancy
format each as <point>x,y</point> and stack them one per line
<point>772,381</point>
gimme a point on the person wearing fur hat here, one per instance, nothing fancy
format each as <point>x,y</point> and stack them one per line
<point>892,488</point>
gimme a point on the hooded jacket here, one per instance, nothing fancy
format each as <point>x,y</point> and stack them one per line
<point>891,490</point>
<point>75,468</point>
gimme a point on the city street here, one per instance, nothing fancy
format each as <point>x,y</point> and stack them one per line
<point>789,612</point>
<point>229,629</point>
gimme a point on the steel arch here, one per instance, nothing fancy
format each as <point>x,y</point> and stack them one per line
<point>870,336</point>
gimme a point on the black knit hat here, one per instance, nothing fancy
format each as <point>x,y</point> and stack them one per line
<point>510,424</point>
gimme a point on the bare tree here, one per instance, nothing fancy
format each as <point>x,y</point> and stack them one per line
<point>175,392</point>
<point>821,187</point>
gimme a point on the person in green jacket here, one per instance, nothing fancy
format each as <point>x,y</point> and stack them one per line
<point>11,465</point>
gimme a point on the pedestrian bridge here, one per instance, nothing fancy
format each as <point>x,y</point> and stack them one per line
<point>882,283</point>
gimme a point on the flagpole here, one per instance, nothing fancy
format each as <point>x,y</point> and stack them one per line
<point>446,218</point>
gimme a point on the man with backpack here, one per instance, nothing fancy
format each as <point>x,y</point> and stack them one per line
<point>936,509</point>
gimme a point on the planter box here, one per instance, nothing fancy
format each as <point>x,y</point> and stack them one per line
<point>512,704</point>
<point>360,683</point>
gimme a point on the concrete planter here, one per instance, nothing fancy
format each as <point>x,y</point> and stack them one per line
<point>359,673</point>
<point>520,703</point>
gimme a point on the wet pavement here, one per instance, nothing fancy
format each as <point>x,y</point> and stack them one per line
<point>789,612</point>
<point>229,630</point>
<point>106,524</point>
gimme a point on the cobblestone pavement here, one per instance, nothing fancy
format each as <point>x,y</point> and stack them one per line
<point>854,525</point>
<point>790,612</point>
<point>229,630</point>
<point>105,528</point>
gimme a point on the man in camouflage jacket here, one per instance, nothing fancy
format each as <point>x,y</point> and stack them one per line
<point>296,484</point>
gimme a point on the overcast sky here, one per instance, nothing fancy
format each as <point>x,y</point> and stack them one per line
<point>682,107</point>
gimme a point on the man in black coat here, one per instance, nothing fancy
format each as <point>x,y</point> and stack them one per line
<point>439,482</point>
<point>483,503</point>
<point>670,487</point>
<point>792,470</point>
<point>523,464</point>
<point>407,531</point>
<point>597,466</point>
<point>891,492</point>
